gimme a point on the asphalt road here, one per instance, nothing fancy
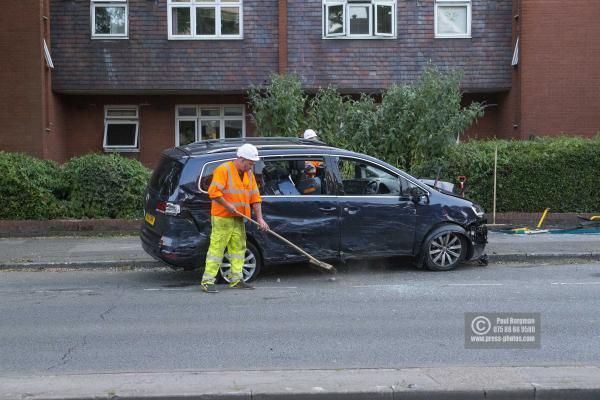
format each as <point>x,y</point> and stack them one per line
<point>379,316</point>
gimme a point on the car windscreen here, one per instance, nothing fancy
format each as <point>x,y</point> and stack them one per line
<point>165,177</point>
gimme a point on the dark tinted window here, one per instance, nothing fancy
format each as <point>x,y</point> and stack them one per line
<point>166,176</point>
<point>292,176</point>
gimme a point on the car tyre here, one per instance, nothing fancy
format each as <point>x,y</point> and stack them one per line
<point>444,250</point>
<point>252,265</point>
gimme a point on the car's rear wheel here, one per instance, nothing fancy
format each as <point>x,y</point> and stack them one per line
<point>444,250</point>
<point>251,268</point>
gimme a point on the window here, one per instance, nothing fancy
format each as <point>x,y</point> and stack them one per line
<point>362,179</point>
<point>109,18</point>
<point>121,128</point>
<point>297,176</point>
<point>452,19</point>
<point>359,18</point>
<point>205,19</point>
<point>49,62</point>
<point>195,123</point>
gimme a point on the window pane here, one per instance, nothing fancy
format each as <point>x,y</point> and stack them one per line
<point>384,19</point>
<point>210,112</point>
<point>120,134</point>
<point>181,21</point>
<point>335,22</point>
<point>233,129</point>
<point>452,19</point>
<point>233,110</point>
<point>230,21</point>
<point>359,20</point>
<point>186,111</point>
<point>110,20</point>
<point>205,21</point>
<point>359,178</point>
<point>115,112</point>
<point>210,129</point>
<point>187,132</point>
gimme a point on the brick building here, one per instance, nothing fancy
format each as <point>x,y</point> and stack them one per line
<point>138,76</point>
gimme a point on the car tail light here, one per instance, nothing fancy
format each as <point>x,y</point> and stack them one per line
<point>164,207</point>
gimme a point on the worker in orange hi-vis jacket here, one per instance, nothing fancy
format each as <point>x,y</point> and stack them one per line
<point>233,190</point>
<point>309,134</point>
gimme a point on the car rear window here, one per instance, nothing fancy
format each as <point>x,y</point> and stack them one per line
<point>165,178</point>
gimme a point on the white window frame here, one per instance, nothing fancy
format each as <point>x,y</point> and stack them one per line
<point>373,34</point>
<point>388,4</point>
<point>125,120</point>
<point>193,5</point>
<point>198,119</point>
<point>369,7</point>
<point>109,3</point>
<point>454,3</point>
<point>325,25</point>
<point>47,55</point>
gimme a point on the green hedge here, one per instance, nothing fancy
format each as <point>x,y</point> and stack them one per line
<point>93,186</point>
<point>561,173</point>
<point>105,186</point>
<point>29,187</point>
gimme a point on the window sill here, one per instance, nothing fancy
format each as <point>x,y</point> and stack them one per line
<point>109,37</point>
<point>454,37</point>
<point>120,150</point>
<point>207,38</point>
<point>359,37</point>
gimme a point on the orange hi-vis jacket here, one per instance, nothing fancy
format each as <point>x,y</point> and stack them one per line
<point>240,193</point>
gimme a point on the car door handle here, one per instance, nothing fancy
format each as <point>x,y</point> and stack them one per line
<point>351,210</point>
<point>327,209</point>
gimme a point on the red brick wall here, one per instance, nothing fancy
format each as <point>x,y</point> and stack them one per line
<point>560,67</point>
<point>486,126</point>
<point>85,122</point>
<point>21,86</point>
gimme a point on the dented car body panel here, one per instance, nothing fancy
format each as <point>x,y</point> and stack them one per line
<point>361,207</point>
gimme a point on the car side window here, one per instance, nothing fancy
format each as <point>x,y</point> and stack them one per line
<point>298,176</point>
<point>364,179</point>
<point>205,180</point>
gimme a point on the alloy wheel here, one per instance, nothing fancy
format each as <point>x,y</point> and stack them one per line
<point>445,250</point>
<point>248,269</point>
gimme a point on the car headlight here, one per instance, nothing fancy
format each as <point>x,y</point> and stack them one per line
<point>477,210</point>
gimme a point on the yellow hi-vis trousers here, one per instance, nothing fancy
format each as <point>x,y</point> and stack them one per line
<point>227,232</point>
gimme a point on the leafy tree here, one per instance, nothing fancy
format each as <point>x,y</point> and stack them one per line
<point>278,107</point>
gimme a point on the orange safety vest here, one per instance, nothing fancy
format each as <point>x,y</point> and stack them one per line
<point>240,193</point>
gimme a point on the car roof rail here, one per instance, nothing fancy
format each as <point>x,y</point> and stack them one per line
<point>226,145</point>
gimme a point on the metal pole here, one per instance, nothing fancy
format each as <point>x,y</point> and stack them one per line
<point>495,172</point>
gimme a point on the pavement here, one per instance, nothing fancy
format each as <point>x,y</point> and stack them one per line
<point>117,251</point>
<point>459,382</point>
<point>464,383</point>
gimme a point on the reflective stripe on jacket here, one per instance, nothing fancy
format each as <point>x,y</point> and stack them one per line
<point>226,182</point>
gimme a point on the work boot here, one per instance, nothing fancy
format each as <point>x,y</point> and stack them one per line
<point>208,288</point>
<point>240,285</point>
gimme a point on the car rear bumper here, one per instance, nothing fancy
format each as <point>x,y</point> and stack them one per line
<point>159,248</point>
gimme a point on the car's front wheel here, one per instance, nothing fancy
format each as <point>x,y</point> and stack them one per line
<point>444,250</point>
<point>251,268</point>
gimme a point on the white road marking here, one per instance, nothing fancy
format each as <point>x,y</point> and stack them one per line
<point>276,287</point>
<point>475,284</point>
<point>575,283</point>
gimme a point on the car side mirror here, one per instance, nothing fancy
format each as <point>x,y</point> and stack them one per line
<point>420,199</point>
<point>418,196</point>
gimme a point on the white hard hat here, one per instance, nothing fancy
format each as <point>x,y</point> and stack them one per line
<point>248,151</point>
<point>309,134</point>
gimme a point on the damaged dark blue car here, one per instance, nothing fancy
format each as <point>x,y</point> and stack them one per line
<point>334,203</point>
